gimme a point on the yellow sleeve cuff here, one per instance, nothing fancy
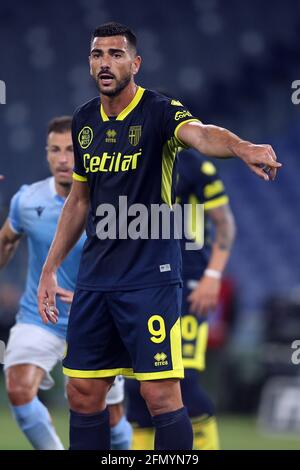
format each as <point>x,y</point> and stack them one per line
<point>179,126</point>
<point>218,202</point>
<point>77,177</point>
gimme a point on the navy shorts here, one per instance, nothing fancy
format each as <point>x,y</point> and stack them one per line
<point>133,333</point>
<point>194,332</point>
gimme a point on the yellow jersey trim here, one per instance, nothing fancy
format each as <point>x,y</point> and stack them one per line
<point>176,345</point>
<point>77,177</point>
<point>92,374</point>
<point>179,126</point>
<point>168,159</point>
<point>198,361</point>
<point>218,202</point>
<point>213,189</point>
<point>123,114</point>
<point>167,374</point>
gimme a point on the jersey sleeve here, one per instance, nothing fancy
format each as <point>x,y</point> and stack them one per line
<point>79,172</point>
<point>210,188</point>
<point>14,215</point>
<point>175,115</point>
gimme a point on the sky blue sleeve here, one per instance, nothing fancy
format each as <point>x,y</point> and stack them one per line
<point>14,215</point>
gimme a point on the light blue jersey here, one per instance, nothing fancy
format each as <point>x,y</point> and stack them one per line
<point>34,211</point>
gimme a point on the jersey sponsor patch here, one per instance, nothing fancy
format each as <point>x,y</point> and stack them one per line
<point>85,137</point>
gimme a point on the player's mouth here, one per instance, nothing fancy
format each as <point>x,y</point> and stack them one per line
<point>63,171</point>
<point>106,78</point>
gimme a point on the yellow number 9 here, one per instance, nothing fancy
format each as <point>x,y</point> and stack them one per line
<point>158,335</point>
<point>189,327</point>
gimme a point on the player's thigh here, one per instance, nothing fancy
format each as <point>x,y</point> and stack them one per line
<point>30,344</point>
<point>23,378</point>
<point>94,346</point>
<point>148,321</point>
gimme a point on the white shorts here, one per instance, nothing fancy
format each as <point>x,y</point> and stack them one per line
<point>31,344</point>
<point>116,393</point>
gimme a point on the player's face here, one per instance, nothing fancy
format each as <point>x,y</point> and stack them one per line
<point>60,156</point>
<point>113,64</point>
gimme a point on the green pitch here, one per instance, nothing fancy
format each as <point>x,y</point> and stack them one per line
<point>235,433</point>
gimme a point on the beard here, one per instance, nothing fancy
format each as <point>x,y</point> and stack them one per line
<point>120,85</point>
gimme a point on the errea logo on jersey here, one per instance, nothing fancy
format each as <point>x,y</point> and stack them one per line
<point>176,103</point>
<point>182,114</point>
<point>85,137</point>
<point>160,359</point>
<point>112,163</point>
<point>111,135</point>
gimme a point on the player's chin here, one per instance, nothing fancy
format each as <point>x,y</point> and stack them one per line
<point>64,178</point>
<point>108,90</point>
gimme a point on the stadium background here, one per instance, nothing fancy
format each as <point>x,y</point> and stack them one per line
<point>233,64</point>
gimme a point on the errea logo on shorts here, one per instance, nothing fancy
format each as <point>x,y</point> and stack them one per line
<point>160,359</point>
<point>2,351</point>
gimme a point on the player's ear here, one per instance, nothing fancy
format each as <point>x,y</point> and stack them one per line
<point>136,64</point>
<point>90,65</point>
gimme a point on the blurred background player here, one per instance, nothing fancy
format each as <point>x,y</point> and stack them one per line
<point>34,348</point>
<point>198,182</point>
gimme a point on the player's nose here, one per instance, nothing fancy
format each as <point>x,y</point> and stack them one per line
<point>62,158</point>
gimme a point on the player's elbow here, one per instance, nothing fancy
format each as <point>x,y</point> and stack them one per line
<point>7,249</point>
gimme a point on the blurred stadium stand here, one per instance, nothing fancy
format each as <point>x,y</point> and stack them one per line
<point>232,65</point>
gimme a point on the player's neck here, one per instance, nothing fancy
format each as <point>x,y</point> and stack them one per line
<point>114,105</point>
<point>62,190</point>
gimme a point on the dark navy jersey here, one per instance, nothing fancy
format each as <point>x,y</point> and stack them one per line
<point>132,155</point>
<point>198,183</point>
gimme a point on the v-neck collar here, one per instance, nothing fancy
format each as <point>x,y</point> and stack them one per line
<point>123,114</point>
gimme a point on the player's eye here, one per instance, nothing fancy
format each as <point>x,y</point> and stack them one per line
<point>95,55</point>
<point>117,55</point>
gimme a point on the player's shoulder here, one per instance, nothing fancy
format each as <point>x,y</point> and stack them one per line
<point>159,99</point>
<point>29,194</point>
<point>86,108</point>
<point>30,191</point>
<point>39,186</point>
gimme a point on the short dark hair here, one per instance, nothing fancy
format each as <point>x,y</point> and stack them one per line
<point>60,124</point>
<point>116,29</point>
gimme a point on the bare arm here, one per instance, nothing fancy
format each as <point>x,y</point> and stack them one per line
<point>215,141</point>
<point>70,227</point>
<point>9,241</point>
<point>224,223</point>
<point>205,296</point>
